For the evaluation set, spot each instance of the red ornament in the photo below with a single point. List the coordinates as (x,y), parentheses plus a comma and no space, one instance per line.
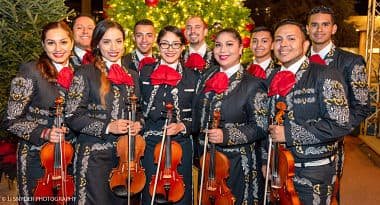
(246,42)
(213,36)
(249,27)
(151,3)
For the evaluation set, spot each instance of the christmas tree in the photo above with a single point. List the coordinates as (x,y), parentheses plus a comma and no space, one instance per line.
(218,14)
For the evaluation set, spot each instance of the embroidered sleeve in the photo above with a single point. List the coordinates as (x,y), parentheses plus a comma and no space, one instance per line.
(358,92)
(78,113)
(16,119)
(330,122)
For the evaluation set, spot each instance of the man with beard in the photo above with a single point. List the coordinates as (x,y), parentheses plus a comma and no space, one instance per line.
(197,55)
(144,36)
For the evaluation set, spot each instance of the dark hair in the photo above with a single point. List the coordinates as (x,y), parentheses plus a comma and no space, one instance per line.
(232,31)
(295,23)
(82,15)
(100,29)
(172,29)
(323,10)
(145,22)
(263,28)
(44,63)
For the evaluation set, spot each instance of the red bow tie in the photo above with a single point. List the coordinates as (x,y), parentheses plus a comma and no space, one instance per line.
(317,59)
(65,76)
(87,58)
(282,83)
(195,61)
(117,75)
(218,83)
(165,75)
(257,71)
(144,61)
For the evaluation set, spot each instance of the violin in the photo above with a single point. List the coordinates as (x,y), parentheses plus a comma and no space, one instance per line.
(55,157)
(167,184)
(214,189)
(334,200)
(282,163)
(128,178)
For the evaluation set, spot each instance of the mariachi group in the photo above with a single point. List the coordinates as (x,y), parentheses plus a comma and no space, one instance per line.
(190,124)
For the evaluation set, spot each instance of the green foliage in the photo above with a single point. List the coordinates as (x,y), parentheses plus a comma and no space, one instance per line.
(21,22)
(217,14)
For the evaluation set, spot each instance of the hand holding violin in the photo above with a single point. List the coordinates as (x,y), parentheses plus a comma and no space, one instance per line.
(174,128)
(55,134)
(215,135)
(121,126)
(277,133)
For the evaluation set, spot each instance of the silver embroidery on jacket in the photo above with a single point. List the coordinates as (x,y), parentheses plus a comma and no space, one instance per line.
(336,102)
(20,94)
(94,128)
(359,84)
(75,94)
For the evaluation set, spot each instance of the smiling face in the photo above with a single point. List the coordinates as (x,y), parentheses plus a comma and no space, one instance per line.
(58,45)
(321,29)
(227,50)
(111,45)
(144,37)
(261,45)
(170,47)
(82,30)
(195,31)
(289,44)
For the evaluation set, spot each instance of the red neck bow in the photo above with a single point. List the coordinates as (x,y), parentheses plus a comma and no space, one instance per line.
(282,83)
(144,61)
(257,71)
(195,61)
(165,75)
(65,76)
(218,83)
(317,59)
(117,75)
(87,58)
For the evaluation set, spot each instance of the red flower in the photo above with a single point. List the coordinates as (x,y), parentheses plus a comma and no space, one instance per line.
(144,61)
(117,75)
(257,70)
(64,77)
(195,61)
(165,75)
(282,83)
(317,59)
(246,42)
(218,83)
(249,27)
(88,57)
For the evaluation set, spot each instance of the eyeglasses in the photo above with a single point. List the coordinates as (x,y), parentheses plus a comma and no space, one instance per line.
(166,45)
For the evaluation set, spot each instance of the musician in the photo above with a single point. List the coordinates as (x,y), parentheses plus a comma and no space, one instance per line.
(32,96)
(83,26)
(177,89)
(144,36)
(97,110)
(321,27)
(197,54)
(263,65)
(317,113)
(243,106)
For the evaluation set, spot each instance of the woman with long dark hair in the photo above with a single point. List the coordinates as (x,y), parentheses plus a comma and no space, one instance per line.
(97,110)
(32,96)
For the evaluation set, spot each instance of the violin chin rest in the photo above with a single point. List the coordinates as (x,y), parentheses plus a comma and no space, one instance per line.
(121,191)
(161,199)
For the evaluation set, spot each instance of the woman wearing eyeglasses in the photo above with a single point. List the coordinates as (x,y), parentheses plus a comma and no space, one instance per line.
(162,83)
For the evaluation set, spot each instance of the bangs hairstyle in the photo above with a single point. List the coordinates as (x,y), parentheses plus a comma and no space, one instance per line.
(172,29)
